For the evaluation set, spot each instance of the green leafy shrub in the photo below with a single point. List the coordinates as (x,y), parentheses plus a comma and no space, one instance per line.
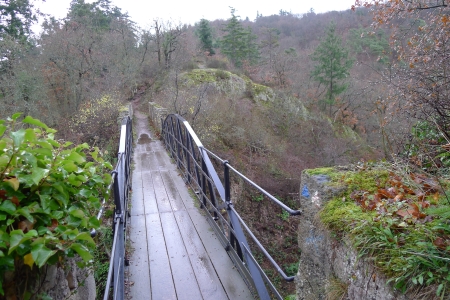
(49,193)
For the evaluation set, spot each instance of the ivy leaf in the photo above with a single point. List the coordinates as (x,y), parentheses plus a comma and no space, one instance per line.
(63,195)
(7,207)
(30,135)
(7,261)
(37,174)
(2,129)
(24,211)
(46,201)
(82,178)
(85,193)
(16,115)
(18,137)
(78,213)
(35,122)
(45,145)
(41,254)
(94,222)
(70,167)
(73,180)
(17,238)
(44,151)
(74,156)
(57,214)
(85,236)
(4,160)
(82,251)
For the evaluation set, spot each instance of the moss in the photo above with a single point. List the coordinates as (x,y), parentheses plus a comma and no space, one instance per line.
(340,215)
(123,108)
(321,171)
(199,76)
(367,180)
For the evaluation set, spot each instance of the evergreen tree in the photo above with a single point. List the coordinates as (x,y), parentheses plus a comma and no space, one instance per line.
(239,44)
(16,18)
(205,34)
(251,46)
(332,66)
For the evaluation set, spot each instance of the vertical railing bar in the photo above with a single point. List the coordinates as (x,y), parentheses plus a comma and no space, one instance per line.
(188,157)
(261,271)
(111,263)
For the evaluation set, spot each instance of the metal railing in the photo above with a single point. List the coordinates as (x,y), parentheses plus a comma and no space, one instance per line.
(120,186)
(214,195)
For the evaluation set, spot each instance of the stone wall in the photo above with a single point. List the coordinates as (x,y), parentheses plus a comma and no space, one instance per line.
(329,268)
(69,282)
(156,114)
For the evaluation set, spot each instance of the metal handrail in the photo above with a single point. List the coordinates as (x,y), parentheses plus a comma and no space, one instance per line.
(120,184)
(193,159)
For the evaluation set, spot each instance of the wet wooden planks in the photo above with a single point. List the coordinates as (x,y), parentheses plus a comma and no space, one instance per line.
(172,258)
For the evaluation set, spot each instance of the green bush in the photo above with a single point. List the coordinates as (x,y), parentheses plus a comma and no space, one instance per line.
(49,193)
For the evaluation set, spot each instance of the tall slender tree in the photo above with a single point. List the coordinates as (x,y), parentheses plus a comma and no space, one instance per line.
(205,33)
(332,67)
(238,43)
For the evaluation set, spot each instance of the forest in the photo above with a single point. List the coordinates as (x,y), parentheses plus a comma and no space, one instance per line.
(275,95)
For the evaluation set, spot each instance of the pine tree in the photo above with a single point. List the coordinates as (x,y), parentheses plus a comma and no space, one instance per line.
(333,66)
(205,34)
(239,44)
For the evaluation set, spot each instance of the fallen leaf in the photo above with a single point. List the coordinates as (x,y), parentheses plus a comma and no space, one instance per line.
(54,225)
(399,197)
(25,225)
(440,243)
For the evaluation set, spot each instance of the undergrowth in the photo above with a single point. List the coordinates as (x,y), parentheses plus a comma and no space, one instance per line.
(104,241)
(400,219)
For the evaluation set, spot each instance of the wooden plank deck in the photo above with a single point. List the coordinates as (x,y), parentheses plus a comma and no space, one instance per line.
(176,253)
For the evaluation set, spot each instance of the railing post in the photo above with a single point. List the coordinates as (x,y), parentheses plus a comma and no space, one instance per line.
(233,241)
(226,172)
(204,170)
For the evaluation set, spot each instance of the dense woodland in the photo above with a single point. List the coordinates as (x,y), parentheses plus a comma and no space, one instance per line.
(349,87)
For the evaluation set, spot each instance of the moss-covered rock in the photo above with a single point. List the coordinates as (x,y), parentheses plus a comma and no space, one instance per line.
(228,83)
(371,225)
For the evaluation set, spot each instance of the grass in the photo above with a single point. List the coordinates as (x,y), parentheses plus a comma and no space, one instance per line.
(336,289)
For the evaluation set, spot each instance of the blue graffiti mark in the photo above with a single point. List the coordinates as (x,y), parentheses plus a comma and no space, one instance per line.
(305,192)
(314,240)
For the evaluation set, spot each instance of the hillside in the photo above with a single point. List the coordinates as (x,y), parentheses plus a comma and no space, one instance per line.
(275,96)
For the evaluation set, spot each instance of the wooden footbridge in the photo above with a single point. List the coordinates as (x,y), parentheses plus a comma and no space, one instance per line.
(181,244)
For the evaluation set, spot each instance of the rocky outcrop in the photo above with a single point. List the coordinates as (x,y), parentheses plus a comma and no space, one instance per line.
(228,83)
(329,268)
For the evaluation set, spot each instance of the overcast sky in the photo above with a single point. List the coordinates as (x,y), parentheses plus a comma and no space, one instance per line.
(191,11)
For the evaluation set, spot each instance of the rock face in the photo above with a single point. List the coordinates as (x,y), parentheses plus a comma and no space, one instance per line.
(68,282)
(329,268)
